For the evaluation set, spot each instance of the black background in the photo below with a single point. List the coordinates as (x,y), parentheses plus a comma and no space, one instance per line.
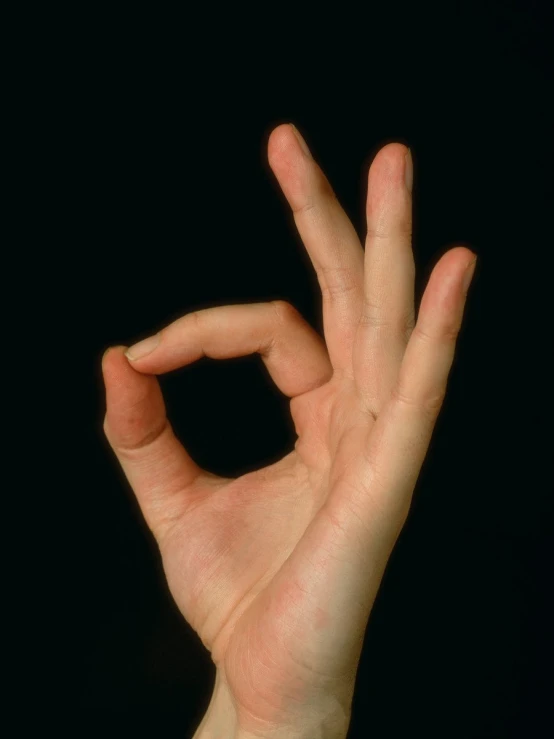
(166,205)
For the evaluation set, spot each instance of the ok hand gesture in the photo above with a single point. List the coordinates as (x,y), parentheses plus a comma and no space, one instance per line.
(277,570)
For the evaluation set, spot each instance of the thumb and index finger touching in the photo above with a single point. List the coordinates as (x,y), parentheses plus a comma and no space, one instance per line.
(162,474)
(158,468)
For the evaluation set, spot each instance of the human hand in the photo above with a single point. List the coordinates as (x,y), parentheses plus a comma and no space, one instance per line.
(277,570)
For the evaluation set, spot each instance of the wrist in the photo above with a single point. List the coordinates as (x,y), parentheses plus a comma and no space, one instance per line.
(328,721)
(220,720)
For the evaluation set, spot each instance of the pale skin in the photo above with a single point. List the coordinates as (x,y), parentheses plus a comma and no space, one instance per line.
(277,570)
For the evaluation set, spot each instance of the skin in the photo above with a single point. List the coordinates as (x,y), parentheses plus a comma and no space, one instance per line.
(277,570)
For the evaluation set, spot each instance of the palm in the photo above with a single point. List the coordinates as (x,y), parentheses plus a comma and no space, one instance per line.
(250,594)
(277,570)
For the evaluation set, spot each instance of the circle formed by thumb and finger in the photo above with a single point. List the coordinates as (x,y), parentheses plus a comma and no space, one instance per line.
(162,474)
(293,352)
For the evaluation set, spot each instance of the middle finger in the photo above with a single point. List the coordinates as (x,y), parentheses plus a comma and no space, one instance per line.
(387,317)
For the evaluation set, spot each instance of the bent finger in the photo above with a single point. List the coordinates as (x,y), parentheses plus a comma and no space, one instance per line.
(293,352)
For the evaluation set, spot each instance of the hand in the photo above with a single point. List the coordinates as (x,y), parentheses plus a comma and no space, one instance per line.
(278,569)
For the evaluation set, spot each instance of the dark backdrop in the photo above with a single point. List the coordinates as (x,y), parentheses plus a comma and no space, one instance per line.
(168,206)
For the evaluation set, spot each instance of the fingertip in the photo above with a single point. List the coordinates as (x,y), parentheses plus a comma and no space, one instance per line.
(280,135)
(114,365)
(390,161)
(457,258)
(284,146)
(105,354)
(111,353)
(133,400)
(392,152)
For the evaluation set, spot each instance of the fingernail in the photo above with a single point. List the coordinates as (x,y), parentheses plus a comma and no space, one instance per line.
(142,348)
(303,144)
(409,170)
(470,269)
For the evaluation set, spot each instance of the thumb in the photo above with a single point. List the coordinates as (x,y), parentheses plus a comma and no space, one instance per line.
(154,461)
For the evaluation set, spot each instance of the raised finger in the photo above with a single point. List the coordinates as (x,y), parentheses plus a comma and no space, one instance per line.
(329,237)
(402,433)
(387,316)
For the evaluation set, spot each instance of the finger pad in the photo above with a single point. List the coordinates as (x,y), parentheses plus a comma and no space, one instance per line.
(287,163)
(134,403)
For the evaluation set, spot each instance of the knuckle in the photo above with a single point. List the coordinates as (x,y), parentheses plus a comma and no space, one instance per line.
(324,187)
(284,311)
(448,334)
(207,314)
(431,405)
(336,281)
(428,404)
(400,397)
(129,448)
(375,315)
(404,227)
(318,196)
(383,233)
(336,289)
(381,229)
(377,232)
(306,206)
(198,318)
